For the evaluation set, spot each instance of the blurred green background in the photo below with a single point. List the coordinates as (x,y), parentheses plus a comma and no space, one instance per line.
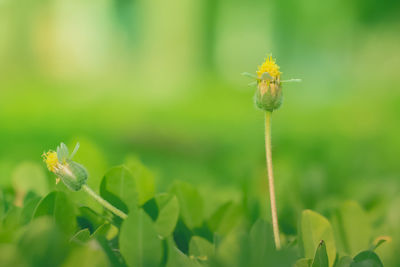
(161,80)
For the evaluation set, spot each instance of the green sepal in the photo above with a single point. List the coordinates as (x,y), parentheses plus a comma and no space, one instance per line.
(292,81)
(73,175)
(269,101)
(62,152)
(250,75)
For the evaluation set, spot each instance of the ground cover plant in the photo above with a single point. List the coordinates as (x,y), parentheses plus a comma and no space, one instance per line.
(65,228)
(123,220)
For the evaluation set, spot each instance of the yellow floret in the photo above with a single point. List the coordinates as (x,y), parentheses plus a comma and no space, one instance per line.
(270,67)
(51,160)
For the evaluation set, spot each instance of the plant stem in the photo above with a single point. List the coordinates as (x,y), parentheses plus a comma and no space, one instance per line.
(271,179)
(105,203)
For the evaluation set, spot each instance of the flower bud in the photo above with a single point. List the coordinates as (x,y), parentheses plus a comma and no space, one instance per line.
(73,174)
(268,95)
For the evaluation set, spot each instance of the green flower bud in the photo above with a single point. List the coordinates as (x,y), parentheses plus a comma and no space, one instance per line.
(269,85)
(269,94)
(73,174)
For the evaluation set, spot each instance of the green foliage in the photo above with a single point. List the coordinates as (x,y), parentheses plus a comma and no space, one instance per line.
(366,258)
(314,228)
(119,188)
(43,244)
(225,218)
(170,229)
(57,205)
(200,248)
(144,179)
(190,203)
(168,212)
(354,228)
(139,241)
(321,257)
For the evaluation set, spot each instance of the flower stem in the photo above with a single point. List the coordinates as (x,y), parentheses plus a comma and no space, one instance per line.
(104,203)
(271,179)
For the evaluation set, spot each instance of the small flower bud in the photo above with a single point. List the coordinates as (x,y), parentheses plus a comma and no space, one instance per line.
(269,90)
(73,174)
(269,95)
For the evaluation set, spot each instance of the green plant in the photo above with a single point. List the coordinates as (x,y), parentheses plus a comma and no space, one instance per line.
(170,229)
(73,174)
(269,98)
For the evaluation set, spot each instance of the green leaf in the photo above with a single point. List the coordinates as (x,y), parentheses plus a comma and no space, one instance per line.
(379,241)
(200,248)
(178,258)
(261,242)
(81,237)
(314,228)
(231,249)
(190,203)
(225,218)
(304,262)
(88,218)
(57,205)
(90,255)
(28,210)
(261,248)
(42,243)
(344,261)
(10,224)
(144,179)
(321,258)
(119,188)
(354,228)
(168,212)
(366,258)
(139,243)
(2,204)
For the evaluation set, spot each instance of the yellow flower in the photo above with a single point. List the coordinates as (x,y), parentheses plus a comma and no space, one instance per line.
(51,160)
(270,67)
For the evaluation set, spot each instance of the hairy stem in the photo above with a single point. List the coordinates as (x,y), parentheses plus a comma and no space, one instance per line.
(104,203)
(271,179)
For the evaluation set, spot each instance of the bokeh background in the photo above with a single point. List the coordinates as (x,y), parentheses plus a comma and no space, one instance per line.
(160,80)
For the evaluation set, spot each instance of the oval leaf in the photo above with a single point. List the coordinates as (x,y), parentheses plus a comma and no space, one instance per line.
(314,228)
(190,203)
(200,248)
(168,212)
(144,179)
(139,243)
(57,205)
(355,227)
(119,188)
(321,258)
(366,258)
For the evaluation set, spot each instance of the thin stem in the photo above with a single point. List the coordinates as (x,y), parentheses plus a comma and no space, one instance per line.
(271,179)
(105,203)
